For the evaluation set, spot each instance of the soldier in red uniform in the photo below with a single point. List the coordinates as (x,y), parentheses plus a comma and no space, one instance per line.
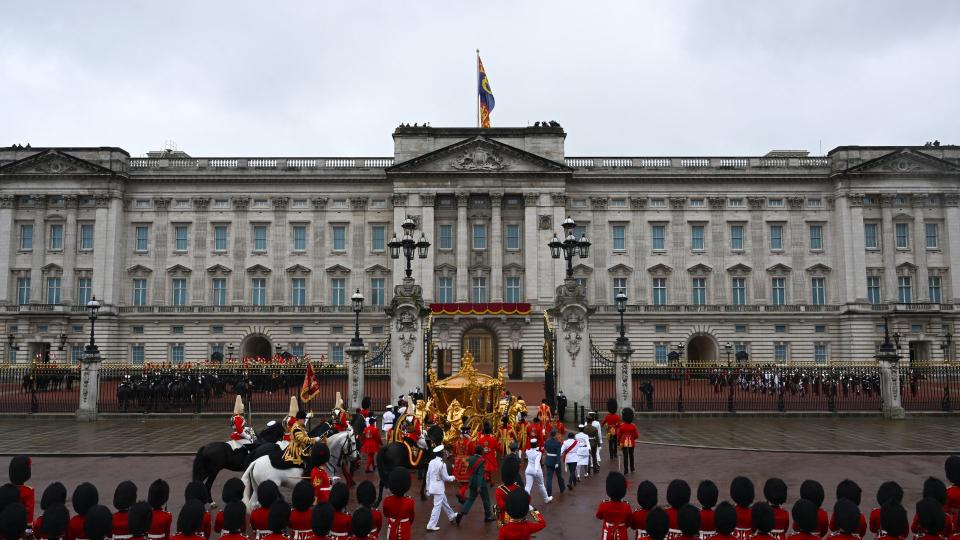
(561,428)
(610,423)
(742,493)
(491,451)
(85,497)
(544,413)
(19,475)
(339,497)
(724,521)
(934,488)
(510,476)
(267,494)
(234,521)
(339,422)
(658,524)
(189,521)
(365,410)
(367,498)
(321,521)
(812,491)
(138,520)
(647,499)
(371,444)
(53,524)
(240,434)
(932,519)
(361,525)
(535,432)
(318,476)
(762,519)
(893,522)
(952,468)
(614,512)
(804,521)
(678,496)
(399,509)
(627,435)
(461,451)
(301,513)
(707,495)
(232,491)
(53,495)
(97,523)
(123,498)
(775,491)
(162,521)
(517,527)
(278,520)
(198,490)
(847,518)
(688,521)
(849,490)
(888,491)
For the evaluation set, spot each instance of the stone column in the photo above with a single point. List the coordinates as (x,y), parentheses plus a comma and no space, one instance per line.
(199,295)
(531,247)
(69,278)
(918,202)
(622,353)
(358,242)
(280,246)
(239,249)
(157,248)
(463,248)
(406,312)
(40,240)
(679,289)
(571,314)
(356,352)
(851,255)
(496,248)
(640,246)
(9,244)
(107,244)
(889,246)
(797,249)
(720,248)
(89,386)
(951,202)
(427,279)
(890,389)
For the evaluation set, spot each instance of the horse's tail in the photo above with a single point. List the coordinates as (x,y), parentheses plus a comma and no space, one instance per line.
(249,487)
(199,466)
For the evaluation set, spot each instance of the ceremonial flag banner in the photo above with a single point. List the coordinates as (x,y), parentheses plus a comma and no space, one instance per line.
(310,386)
(485,94)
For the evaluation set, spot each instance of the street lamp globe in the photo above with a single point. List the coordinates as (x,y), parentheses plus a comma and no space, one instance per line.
(584,246)
(423,246)
(568,224)
(555,246)
(621,301)
(394,246)
(357,300)
(93,307)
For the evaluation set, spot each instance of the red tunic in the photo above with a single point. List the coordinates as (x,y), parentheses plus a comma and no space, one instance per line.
(371,440)
(217,523)
(186,537)
(207,525)
(300,527)
(611,421)
(534,432)
(627,435)
(706,521)
(258,519)
(341,422)
(873,524)
(371,536)
(238,424)
(233,536)
(162,521)
(886,537)
(500,495)
(341,524)
(561,428)
(543,411)
(638,520)
(462,449)
(616,520)
(75,528)
(803,536)
(120,524)
(321,485)
(275,536)
(762,536)
(822,522)
(947,531)
(522,530)
(953,503)
(506,436)
(491,451)
(377,521)
(399,512)
(672,517)
(27,498)
(719,536)
(781,521)
(744,517)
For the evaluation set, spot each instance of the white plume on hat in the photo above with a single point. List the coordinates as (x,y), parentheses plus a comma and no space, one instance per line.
(294,408)
(238,405)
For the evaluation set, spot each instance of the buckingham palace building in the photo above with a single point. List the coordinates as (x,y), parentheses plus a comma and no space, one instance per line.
(789,257)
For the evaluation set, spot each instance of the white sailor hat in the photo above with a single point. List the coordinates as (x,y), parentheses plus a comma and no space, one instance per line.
(438,449)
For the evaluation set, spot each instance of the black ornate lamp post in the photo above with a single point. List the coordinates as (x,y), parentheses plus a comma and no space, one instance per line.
(230,349)
(408,245)
(945,345)
(357,301)
(622,352)
(93,308)
(621,302)
(570,246)
(728,348)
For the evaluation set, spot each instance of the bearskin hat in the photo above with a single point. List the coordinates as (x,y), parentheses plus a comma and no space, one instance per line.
(935,489)
(196,490)
(612,405)
(510,471)
(361,522)
(19,470)
(627,415)
(85,497)
(761,517)
(234,516)
(56,518)
(139,518)
(124,496)
(279,516)
(678,493)
(688,520)
(322,518)
(616,486)
(302,495)
(952,468)
(775,491)
(191,517)
(98,522)
(365,402)
(707,494)
(647,495)
(399,481)
(9,494)
(741,491)
(931,516)
(232,490)
(53,495)
(889,491)
(724,518)
(518,503)
(893,519)
(849,490)
(267,493)
(804,515)
(812,491)
(339,496)
(658,524)
(847,516)
(159,492)
(321,454)
(13,521)
(366,493)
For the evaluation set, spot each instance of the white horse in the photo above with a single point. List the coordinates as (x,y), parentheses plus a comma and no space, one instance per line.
(343,452)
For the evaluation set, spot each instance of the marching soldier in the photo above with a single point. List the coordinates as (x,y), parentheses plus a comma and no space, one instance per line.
(97,524)
(506,435)
(362,525)
(54,523)
(300,513)
(543,412)
(267,494)
(399,509)
(319,478)
(534,473)
(805,521)
(594,438)
(742,493)
(510,476)
(762,521)
(614,512)
(278,520)
(893,522)
(647,499)
(553,463)
(339,496)
(437,476)
(812,491)
(462,450)
(365,409)
(887,492)
(952,468)
(366,498)
(707,495)
(627,436)
(189,521)
(678,496)
(491,450)
(688,520)
(518,528)
(138,520)
(371,444)
(725,522)
(611,422)
(20,472)
(775,492)
(232,491)
(847,518)
(234,518)
(850,490)
(198,490)
(54,494)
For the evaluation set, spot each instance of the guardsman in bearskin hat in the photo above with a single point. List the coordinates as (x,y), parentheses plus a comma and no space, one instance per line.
(610,424)
(19,476)
(98,523)
(893,522)
(627,435)
(240,434)
(189,521)
(123,498)
(234,521)
(364,411)
(232,491)
(762,520)
(742,492)
(198,491)
(267,494)
(850,490)
(724,521)
(707,495)
(361,525)
(398,508)
(139,518)
(775,492)
(300,515)
(517,527)
(688,521)
(54,523)
(952,468)
(340,421)
(85,497)
(678,496)
(888,491)
(301,443)
(846,516)
(339,497)
(812,491)
(805,521)
(321,521)
(13,521)
(647,499)
(658,524)
(510,478)
(371,444)
(367,498)
(614,512)
(318,476)
(934,488)
(161,521)
(932,519)
(55,494)
(277,521)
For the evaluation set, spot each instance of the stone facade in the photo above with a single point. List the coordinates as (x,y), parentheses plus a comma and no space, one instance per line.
(789,257)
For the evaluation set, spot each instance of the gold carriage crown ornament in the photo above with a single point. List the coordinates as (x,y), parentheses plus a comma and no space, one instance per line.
(468,394)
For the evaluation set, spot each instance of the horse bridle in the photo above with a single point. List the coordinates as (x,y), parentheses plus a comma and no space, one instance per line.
(349,450)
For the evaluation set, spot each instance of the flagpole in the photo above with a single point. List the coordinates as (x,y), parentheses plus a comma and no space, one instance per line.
(476,96)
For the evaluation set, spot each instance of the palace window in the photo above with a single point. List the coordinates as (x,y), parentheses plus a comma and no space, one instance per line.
(905,287)
(513,290)
(86,236)
(820,353)
(658,233)
(780,352)
(84,290)
(513,237)
(338,291)
(619,286)
(696,238)
(180,237)
(260,238)
(902,231)
(339,238)
(659,291)
(779,286)
(479,290)
(299,237)
(298,291)
(258,290)
(934,289)
(377,242)
(699,291)
(816,237)
(137,354)
(933,235)
(26,237)
(446,236)
(479,236)
(220,238)
(139,291)
(739,291)
(377,291)
(619,233)
(873,290)
(219,291)
(53,290)
(179,291)
(736,237)
(142,235)
(445,290)
(176,353)
(818,290)
(776,237)
(56,237)
(870,236)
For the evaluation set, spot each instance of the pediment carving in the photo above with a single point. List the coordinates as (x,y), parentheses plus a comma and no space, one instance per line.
(739,269)
(52,269)
(620,269)
(337,269)
(378,269)
(479,155)
(179,269)
(53,162)
(819,268)
(582,269)
(779,269)
(905,161)
(699,269)
(660,269)
(258,269)
(298,269)
(139,270)
(219,269)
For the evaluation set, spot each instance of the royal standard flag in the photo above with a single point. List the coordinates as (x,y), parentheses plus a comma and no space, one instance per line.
(485,95)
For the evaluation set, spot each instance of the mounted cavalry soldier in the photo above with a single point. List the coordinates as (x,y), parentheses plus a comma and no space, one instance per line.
(301,443)
(242,434)
(339,420)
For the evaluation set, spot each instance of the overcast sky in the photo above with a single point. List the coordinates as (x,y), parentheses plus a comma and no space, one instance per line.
(318,78)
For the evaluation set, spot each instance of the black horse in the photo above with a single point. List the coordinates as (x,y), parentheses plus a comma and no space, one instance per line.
(216,456)
(396,454)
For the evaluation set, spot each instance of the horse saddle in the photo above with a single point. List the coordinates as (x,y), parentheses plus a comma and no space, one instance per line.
(277,461)
(238,445)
